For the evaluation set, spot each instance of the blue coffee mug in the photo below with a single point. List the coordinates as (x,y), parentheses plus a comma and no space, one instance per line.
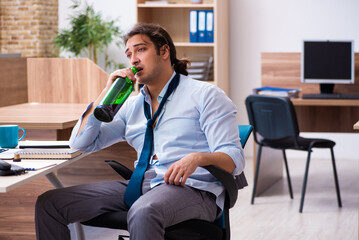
(9,136)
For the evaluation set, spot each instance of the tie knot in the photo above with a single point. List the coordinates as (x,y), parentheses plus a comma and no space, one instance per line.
(150,122)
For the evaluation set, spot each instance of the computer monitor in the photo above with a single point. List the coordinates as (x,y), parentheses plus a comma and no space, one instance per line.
(328,63)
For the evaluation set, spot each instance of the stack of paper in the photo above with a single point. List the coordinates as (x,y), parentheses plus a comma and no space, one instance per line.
(155,2)
(280,92)
(201,66)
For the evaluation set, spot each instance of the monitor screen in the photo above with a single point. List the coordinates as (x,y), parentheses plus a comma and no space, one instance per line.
(329,62)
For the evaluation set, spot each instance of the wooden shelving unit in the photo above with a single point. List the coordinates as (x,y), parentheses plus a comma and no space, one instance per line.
(174,17)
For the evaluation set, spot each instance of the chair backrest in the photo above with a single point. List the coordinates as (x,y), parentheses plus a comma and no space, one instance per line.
(244,132)
(272,117)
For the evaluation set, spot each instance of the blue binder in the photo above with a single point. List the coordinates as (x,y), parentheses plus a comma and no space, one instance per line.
(193,25)
(201,26)
(209,26)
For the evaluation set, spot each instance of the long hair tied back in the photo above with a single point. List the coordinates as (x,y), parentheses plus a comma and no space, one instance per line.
(160,37)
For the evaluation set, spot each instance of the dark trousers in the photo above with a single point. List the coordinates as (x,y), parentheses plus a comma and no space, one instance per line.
(156,209)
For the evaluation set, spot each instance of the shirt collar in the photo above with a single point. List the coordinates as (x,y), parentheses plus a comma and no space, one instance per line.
(145,93)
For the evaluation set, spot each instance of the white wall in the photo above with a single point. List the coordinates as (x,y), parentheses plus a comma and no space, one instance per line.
(280,26)
(262,26)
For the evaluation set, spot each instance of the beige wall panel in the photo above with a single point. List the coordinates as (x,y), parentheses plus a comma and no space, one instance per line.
(60,80)
(13,81)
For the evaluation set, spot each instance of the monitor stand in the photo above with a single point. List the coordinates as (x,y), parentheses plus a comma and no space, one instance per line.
(326,87)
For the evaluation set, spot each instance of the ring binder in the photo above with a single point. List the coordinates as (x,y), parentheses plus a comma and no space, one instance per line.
(209,26)
(201,26)
(193,36)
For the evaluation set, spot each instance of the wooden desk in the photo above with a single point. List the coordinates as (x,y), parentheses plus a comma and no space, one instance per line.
(9,183)
(325,102)
(41,118)
(326,115)
(60,117)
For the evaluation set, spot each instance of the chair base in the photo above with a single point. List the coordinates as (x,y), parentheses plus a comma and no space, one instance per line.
(113,220)
(194,229)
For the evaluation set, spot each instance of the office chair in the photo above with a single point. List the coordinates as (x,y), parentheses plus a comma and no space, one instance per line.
(193,229)
(275,126)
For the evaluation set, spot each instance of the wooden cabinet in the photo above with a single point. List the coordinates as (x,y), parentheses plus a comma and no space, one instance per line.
(174,17)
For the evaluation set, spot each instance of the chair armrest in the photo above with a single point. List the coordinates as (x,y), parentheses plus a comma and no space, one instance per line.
(241,180)
(228,182)
(121,169)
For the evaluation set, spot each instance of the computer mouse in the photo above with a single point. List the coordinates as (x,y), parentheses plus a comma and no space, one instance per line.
(4,165)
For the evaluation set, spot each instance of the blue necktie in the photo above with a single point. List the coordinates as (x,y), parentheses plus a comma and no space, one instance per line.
(134,187)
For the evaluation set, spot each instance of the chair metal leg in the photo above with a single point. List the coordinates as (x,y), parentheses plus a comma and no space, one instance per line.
(288,176)
(256,173)
(305,182)
(79,231)
(336,178)
(122,237)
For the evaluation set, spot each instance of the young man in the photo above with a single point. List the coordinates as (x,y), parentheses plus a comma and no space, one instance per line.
(196,127)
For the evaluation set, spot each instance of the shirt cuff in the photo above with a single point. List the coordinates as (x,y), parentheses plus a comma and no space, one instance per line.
(237,157)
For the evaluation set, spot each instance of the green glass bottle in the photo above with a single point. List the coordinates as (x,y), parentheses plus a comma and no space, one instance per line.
(114,98)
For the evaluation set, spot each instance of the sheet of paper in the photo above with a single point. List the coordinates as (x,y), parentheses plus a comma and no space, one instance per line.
(33,165)
(8,154)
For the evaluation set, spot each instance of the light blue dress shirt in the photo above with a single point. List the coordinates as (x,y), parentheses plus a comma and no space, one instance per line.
(197,117)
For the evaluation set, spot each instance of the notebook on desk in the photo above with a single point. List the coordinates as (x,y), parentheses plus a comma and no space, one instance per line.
(48,153)
(8,153)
